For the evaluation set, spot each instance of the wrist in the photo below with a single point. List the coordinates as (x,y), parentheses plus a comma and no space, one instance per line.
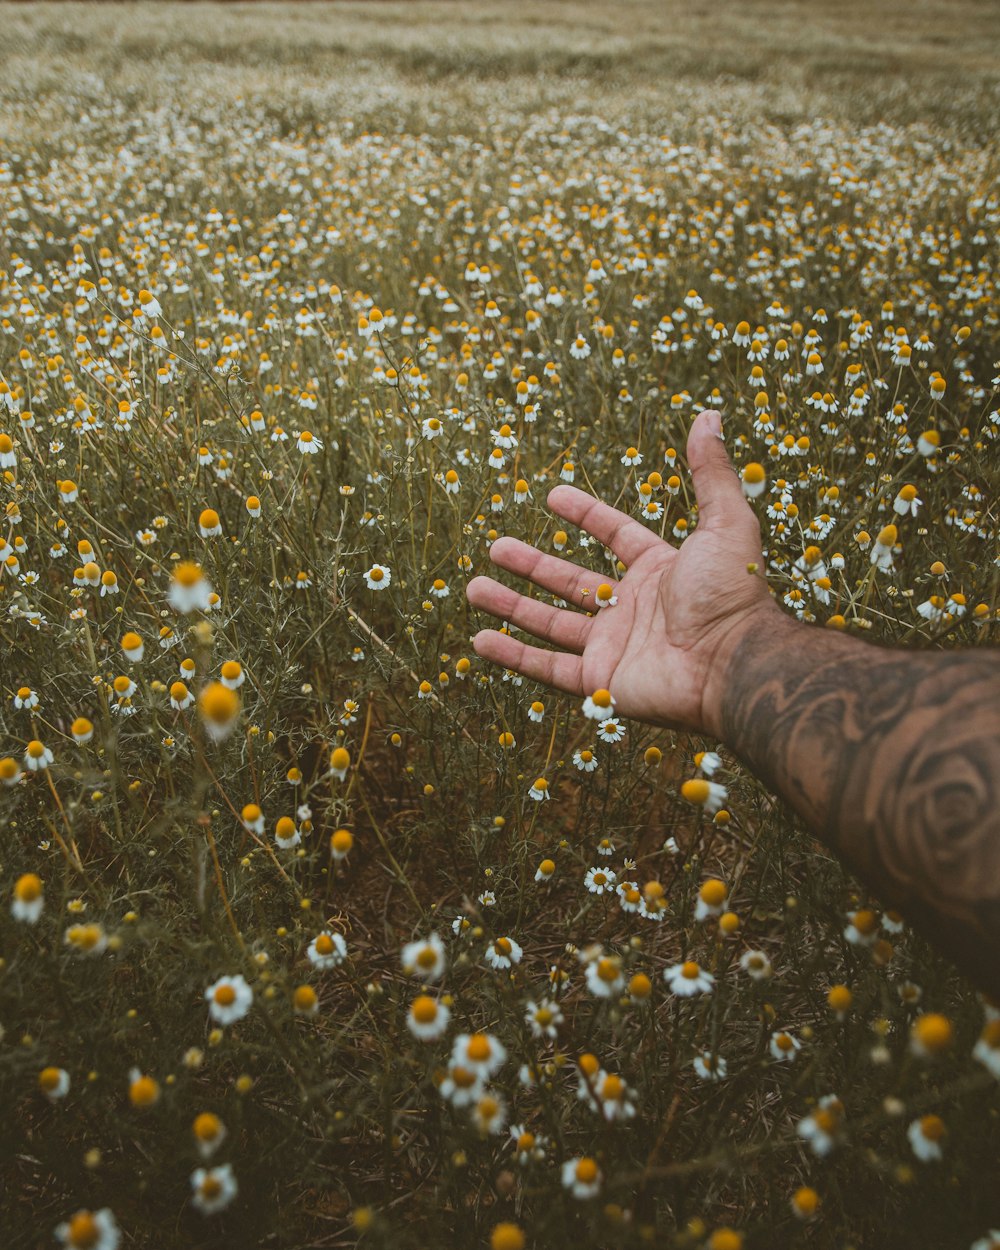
(754,635)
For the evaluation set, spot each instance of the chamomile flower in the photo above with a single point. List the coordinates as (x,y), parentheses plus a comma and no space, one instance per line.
(86,939)
(427,1018)
(10,771)
(539,790)
(133,647)
(688,979)
(543,1017)
(711,899)
(424,959)
(604,976)
(784,1047)
(907,502)
(229,999)
(181,697)
(987,1049)
(232,675)
(710,1067)
(252,818)
(823,1129)
(585,760)
(286,834)
(503,953)
(756,965)
(529,1147)
(189,589)
(37,756)
(209,1133)
(341,844)
(926,1136)
(862,927)
(753,480)
(582,1177)
(708,795)
(53,1083)
(481,1053)
(213,1189)
(611,730)
(308,444)
(220,708)
(708,762)
(545,870)
(489,1113)
(462,1085)
(600,880)
(881,553)
(327,950)
(610,1097)
(536,712)
(209,525)
(378,577)
(28,901)
(598,705)
(90,1230)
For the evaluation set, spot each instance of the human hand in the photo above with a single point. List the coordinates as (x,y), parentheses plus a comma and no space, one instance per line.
(662,648)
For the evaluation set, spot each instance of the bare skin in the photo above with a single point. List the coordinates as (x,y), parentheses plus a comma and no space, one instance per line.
(892,757)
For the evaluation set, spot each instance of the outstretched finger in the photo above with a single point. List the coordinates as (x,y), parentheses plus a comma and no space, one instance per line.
(563,578)
(565,629)
(627,537)
(554,668)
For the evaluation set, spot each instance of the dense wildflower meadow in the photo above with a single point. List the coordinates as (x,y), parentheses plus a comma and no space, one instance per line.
(318,930)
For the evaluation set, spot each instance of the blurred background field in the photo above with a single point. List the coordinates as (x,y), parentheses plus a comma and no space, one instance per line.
(278,282)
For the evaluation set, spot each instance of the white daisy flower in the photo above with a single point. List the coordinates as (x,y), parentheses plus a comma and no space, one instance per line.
(229,999)
(482,1053)
(688,979)
(925,1136)
(427,1019)
(604,976)
(784,1047)
(598,705)
(378,577)
(756,965)
(503,953)
(213,1188)
(582,1177)
(95,1230)
(710,1067)
(327,950)
(823,1127)
(600,880)
(424,959)
(543,1017)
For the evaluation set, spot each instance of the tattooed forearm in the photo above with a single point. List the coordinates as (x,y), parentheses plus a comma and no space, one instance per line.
(892,757)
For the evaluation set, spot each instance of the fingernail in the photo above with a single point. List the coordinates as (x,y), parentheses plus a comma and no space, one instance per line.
(714,423)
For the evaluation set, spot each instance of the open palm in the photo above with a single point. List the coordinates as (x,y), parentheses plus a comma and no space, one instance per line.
(658,647)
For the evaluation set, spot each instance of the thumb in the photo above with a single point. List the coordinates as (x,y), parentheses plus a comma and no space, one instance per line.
(716,486)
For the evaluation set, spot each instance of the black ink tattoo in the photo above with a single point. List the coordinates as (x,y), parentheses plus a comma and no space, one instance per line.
(893,760)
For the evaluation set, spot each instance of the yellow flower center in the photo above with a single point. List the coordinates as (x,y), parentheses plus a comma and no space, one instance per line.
(478,1049)
(83,1231)
(586,1171)
(424,1009)
(207,1126)
(28,888)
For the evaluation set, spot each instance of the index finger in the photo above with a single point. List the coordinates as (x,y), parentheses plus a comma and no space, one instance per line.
(625,536)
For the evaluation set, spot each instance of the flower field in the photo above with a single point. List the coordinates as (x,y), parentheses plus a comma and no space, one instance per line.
(317,929)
